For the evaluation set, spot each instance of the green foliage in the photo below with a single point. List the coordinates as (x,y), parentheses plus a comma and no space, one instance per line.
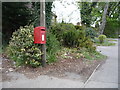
(87,43)
(78,27)
(91,13)
(105,43)
(59,28)
(90,32)
(13,12)
(80,53)
(83,39)
(86,10)
(72,36)
(96,40)
(91,55)
(21,48)
(48,7)
(23,51)
(53,46)
(102,38)
(36,13)
(14,15)
(113,10)
(112,28)
(67,34)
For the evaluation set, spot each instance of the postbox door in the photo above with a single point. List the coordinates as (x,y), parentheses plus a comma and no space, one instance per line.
(43,37)
(37,36)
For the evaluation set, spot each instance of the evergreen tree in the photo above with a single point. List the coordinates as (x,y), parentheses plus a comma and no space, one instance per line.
(14,15)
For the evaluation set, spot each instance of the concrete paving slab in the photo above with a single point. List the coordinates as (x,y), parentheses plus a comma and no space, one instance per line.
(94,84)
(42,82)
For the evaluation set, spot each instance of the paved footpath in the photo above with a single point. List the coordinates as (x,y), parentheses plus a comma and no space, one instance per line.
(107,75)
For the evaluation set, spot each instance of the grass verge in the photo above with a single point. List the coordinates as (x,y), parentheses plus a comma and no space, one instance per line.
(106,43)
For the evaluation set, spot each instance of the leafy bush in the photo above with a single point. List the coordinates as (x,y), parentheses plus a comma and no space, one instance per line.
(87,43)
(23,51)
(91,32)
(59,28)
(78,27)
(21,48)
(53,46)
(112,28)
(78,39)
(96,40)
(71,38)
(102,38)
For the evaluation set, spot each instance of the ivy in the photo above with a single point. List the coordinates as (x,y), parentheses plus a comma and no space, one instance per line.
(36,13)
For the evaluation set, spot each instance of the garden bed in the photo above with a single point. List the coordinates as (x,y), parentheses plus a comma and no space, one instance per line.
(70,68)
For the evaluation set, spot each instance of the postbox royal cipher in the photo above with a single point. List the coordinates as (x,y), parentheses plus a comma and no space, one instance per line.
(40,35)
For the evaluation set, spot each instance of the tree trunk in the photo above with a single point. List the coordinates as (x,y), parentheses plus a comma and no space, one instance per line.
(102,26)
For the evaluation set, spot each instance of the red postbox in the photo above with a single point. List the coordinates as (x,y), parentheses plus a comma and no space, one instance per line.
(40,35)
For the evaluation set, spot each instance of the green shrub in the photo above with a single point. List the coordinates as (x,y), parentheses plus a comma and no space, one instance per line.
(102,38)
(96,40)
(112,28)
(78,39)
(87,43)
(70,38)
(78,27)
(52,46)
(21,48)
(91,32)
(73,38)
(86,37)
(23,51)
(59,28)
(83,40)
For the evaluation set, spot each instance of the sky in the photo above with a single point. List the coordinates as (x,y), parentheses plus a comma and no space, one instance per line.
(66,10)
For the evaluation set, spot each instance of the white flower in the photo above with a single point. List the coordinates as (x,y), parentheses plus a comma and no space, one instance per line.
(23,49)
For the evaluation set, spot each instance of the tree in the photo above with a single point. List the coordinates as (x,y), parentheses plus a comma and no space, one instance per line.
(86,10)
(99,14)
(14,15)
(102,25)
(113,10)
(36,11)
(112,26)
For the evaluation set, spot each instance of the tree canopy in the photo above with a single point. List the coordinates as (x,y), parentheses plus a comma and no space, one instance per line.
(16,14)
(93,13)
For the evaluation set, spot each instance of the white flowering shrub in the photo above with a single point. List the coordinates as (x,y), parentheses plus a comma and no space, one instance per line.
(22,49)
